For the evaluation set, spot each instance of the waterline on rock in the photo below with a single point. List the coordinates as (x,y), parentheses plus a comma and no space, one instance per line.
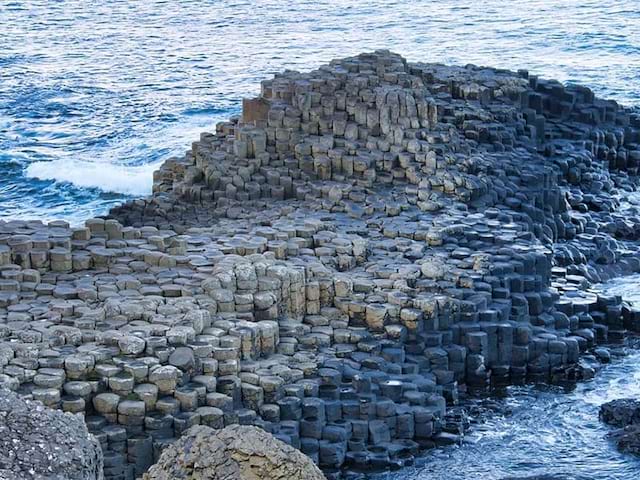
(541,430)
(627,287)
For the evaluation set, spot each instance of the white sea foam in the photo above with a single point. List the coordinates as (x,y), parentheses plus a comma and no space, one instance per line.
(130,180)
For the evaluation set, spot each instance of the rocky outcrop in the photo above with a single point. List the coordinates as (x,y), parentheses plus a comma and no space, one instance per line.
(627,439)
(623,413)
(39,443)
(365,244)
(233,453)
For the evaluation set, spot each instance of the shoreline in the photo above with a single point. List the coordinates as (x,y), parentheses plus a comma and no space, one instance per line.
(335,266)
(497,410)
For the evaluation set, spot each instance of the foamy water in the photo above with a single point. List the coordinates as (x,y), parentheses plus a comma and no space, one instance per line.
(110,177)
(93,95)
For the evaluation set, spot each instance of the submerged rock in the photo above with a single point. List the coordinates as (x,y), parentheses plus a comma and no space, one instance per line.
(39,443)
(627,439)
(233,453)
(602,354)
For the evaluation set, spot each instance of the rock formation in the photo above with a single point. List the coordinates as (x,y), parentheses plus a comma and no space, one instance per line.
(368,241)
(624,414)
(37,442)
(233,453)
(621,412)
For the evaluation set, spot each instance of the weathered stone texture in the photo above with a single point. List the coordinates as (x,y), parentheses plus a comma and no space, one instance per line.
(233,453)
(623,413)
(39,443)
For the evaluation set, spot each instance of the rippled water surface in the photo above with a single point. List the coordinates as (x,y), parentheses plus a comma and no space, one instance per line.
(94,94)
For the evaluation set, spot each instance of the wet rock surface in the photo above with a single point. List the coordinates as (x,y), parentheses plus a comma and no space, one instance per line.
(367,243)
(627,439)
(623,413)
(235,453)
(39,443)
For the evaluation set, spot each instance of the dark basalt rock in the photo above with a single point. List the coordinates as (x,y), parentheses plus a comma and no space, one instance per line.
(623,413)
(627,439)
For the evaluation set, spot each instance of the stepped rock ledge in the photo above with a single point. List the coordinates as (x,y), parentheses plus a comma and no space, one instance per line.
(366,244)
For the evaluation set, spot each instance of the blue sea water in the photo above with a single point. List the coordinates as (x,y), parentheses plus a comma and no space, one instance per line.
(93,95)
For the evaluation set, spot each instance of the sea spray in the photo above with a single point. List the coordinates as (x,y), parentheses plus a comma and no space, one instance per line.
(108,177)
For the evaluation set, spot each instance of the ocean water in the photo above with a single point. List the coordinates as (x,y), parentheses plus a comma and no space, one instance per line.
(94,95)
(627,287)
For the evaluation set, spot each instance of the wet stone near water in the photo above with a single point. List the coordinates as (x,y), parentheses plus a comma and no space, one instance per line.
(366,243)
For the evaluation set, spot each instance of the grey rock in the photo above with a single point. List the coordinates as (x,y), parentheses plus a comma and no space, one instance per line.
(41,443)
(233,453)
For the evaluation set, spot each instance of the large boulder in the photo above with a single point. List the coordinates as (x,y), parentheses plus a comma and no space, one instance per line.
(236,452)
(624,413)
(621,412)
(37,442)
